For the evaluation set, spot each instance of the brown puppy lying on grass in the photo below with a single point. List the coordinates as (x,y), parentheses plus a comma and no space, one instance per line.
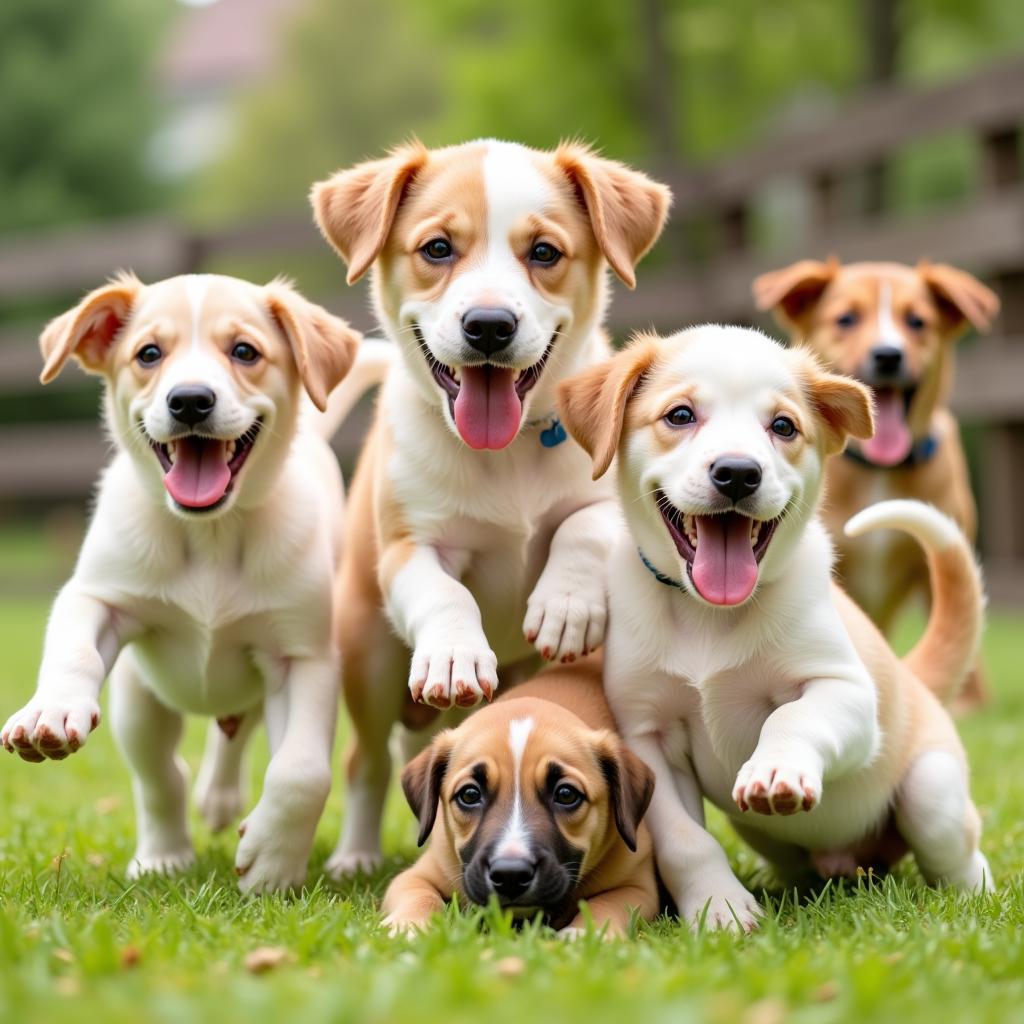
(540,806)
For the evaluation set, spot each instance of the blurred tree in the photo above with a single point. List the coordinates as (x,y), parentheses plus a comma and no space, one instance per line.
(77,108)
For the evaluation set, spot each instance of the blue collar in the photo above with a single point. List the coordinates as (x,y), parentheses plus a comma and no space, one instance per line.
(554,433)
(920,453)
(658,574)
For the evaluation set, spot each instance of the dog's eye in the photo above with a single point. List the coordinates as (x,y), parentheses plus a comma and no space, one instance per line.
(680,416)
(847,319)
(437,250)
(783,426)
(149,354)
(913,321)
(244,352)
(469,796)
(567,797)
(545,254)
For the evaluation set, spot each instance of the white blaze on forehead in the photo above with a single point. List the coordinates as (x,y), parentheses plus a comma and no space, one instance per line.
(196,286)
(515,840)
(888,332)
(514,188)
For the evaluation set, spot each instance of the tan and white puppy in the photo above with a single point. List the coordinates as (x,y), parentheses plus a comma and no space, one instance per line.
(204,582)
(540,807)
(893,328)
(736,668)
(476,534)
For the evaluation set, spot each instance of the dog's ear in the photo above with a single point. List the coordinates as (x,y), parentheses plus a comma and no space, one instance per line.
(792,292)
(962,299)
(627,209)
(88,331)
(842,404)
(323,346)
(630,785)
(421,782)
(355,208)
(592,404)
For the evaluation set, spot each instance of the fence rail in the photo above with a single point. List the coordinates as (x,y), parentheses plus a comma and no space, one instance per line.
(982,230)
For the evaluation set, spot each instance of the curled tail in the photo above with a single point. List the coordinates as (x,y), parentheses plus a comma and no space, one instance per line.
(373,360)
(946,652)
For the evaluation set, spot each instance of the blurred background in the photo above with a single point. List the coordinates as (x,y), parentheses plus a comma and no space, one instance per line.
(171,136)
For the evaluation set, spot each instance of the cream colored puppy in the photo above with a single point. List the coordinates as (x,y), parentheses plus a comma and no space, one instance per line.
(476,535)
(736,667)
(204,583)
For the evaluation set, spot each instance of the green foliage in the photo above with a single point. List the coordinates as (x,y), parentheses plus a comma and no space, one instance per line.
(77,109)
(77,939)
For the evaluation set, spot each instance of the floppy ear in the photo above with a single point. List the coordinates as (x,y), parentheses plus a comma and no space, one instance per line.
(627,209)
(792,292)
(843,405)
(630,785)
(592,405)
(324,346)
(421,782)
(962,298)
(88,331)
(355,208)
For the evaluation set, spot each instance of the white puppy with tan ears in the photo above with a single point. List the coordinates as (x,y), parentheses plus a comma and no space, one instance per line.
(736,668)
(204,583)
(476,537)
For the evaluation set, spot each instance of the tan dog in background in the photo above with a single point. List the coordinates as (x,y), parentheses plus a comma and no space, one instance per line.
(892,327)
(204,581)
(476,537)
(540,806)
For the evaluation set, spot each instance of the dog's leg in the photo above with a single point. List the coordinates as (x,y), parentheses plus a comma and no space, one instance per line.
(828,731)
(612,909)
(693,866)
(452,662)
(277,836)
(374,673)
(936,817)
(567,611)
(414,897)
(83,639)
(219,791)
(148,733)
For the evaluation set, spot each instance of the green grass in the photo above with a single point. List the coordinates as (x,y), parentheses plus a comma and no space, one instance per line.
(77,939)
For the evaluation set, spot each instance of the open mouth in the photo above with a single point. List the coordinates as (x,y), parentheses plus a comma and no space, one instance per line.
(200,471)
(486,401)
(892,441)
(722,551)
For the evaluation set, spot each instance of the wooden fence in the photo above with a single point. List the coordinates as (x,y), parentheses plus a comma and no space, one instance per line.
(701,271)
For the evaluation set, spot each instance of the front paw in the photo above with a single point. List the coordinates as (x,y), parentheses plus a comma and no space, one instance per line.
(462,674)
(773,785)
(50,728)
(719,906)
(565,622)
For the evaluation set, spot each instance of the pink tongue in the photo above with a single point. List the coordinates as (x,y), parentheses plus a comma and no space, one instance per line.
(200,475)
(892,440)
(724,568)
(488,410)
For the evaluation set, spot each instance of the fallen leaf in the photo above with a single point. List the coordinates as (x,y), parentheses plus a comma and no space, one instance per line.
(264,959)
(130,957)
(510,966)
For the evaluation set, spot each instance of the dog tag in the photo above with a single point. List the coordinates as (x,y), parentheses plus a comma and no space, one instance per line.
(554,435)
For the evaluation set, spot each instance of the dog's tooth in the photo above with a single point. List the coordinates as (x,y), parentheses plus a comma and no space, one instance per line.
(172,448)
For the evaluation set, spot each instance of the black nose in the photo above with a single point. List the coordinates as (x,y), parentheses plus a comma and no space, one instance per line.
(489,330)
(887,360)
(511,876)
(191,403)
(735,477)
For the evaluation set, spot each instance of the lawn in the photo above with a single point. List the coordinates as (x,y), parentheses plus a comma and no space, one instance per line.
(76,940)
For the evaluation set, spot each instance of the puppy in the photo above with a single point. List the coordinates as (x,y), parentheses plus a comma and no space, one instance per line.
(476,534)
(736,668)
(893,328)
(204,583)
(540,807)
